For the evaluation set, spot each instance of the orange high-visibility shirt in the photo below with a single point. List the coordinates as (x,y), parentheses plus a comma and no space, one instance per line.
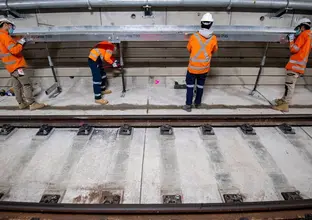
(11,52)
(300,50)
(201,50)
(104,50)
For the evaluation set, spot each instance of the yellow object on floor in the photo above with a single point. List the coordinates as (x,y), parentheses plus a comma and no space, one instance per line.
(36,105)
(282,106)
(101,101)
(106,92)
(23,105)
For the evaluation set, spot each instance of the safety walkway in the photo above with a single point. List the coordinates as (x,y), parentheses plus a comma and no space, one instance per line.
(158,98)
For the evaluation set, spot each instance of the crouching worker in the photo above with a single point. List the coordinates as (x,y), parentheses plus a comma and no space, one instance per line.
(12,58)
(300,47)
(201,46)
(103,51)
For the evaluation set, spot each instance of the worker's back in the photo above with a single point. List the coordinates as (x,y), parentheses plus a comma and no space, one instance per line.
(201,50)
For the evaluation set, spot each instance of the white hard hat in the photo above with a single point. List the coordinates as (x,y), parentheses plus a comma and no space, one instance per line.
(305,21)
(207,17)
(5,20)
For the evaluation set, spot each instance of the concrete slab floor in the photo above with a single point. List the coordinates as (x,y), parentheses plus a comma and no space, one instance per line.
(146,165)
(77,98)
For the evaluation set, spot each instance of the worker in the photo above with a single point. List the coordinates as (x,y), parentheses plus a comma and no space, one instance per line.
(300,46)
(201,46)
(12,58)
(103,51)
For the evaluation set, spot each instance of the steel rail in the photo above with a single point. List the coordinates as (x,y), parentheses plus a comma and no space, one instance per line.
(200,208)
(156,120)
(150,33)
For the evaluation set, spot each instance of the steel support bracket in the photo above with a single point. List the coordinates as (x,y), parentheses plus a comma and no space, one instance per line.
(166,130)
(286,129)
(247,129)
(13,13)
(85,130)
(6,130)
(292,195)
(125,130)
(207,130)
(147,10)
(50,198)
(44,130)
(179,86)
(172,199)
(233,198)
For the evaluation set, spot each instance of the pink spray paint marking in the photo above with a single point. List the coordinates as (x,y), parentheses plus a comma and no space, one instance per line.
(157,81)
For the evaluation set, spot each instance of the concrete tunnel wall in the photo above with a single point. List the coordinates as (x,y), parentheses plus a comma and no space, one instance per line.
(234,64)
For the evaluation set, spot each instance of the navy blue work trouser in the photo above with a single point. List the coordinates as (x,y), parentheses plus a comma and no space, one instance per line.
(99,77)
(190,83)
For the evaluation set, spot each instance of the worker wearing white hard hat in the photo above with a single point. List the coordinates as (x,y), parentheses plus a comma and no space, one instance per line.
(201,46)
(14,61)
(300,45)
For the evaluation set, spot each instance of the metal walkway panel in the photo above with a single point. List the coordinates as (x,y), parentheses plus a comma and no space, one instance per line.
(150,33)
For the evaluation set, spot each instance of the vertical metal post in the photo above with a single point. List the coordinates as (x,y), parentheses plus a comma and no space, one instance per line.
(260,69)
(122,70)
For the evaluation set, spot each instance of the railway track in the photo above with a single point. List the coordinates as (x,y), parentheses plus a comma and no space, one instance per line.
(158,120)
(227,171)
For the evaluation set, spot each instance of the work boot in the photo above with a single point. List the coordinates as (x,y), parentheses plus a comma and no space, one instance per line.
(187,108)
(282,106)
(278,101)
(197,105)
(105,92)
(23,105)
(101,101)
(36,105)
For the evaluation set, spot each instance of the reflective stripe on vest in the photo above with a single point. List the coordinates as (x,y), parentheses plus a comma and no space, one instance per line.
(100,54)
(5,55)
(198,68)
(9,62)
(202,49)
(298,68)
(11,46)
(295,47)
(95,53)
(303,63)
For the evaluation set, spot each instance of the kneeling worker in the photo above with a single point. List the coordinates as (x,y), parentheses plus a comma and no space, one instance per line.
(13,59)
(201,46)
(103,51)
(300,47)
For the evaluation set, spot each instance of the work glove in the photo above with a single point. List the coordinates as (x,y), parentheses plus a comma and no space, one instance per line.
(22,41)
(291,37)
(116,64)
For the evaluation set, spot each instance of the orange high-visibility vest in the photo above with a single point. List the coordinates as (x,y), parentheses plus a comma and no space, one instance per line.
(300,50)
(10,52)
(104,50)
(201,50)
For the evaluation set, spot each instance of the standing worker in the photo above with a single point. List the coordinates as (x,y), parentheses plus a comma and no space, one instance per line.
(103,51)
(201,46)
(12,58)
(300,47)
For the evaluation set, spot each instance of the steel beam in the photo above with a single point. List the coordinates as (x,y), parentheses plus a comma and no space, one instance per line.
(150,33)
(54,4)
